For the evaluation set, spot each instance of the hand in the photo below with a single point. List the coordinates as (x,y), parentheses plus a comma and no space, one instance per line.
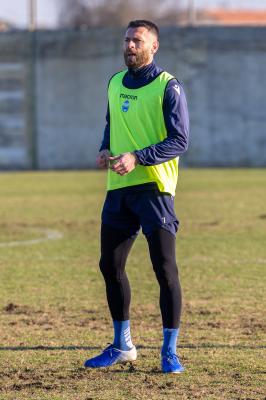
(124,163)
(102,159)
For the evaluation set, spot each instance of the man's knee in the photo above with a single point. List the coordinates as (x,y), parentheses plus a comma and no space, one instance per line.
(111,271)
(166,272)
(107,267)
(162,252)
(103,266)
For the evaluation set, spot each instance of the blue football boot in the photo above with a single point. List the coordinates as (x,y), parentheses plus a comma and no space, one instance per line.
(111,356)
(171,364)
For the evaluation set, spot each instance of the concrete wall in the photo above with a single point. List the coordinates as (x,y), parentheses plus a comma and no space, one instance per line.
(53,94)
(15,143)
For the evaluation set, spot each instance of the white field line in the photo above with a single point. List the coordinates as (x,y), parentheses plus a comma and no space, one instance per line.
(49,234)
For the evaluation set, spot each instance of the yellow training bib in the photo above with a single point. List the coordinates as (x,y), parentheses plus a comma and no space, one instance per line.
(136,122)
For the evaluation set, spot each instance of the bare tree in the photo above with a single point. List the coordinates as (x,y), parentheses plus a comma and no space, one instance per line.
(82,14)
(74,14)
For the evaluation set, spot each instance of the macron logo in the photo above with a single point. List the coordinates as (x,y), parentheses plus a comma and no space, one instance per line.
(128,96)
(177,89)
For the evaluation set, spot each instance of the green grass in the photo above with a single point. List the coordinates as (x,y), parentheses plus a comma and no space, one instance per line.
(53,312)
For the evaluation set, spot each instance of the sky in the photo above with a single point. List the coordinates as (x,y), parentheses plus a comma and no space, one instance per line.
(15,11)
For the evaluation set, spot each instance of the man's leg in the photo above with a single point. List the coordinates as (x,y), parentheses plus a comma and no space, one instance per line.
(115,247)
(162,252)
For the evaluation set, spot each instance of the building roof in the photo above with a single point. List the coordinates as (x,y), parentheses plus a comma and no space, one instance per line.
(4,26)
(232,17)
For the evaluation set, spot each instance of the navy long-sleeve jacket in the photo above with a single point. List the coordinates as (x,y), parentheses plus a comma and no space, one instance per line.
(175,116)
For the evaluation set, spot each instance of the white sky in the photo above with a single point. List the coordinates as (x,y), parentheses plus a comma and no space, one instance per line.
(15,11)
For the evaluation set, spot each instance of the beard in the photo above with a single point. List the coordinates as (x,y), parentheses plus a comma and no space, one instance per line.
(136,59)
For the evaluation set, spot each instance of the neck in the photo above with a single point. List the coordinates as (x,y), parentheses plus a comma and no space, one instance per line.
(139,70)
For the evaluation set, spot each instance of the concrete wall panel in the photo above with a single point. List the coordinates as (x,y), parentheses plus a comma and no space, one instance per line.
(53,94)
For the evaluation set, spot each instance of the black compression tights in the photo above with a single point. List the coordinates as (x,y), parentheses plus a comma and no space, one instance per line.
(115,247)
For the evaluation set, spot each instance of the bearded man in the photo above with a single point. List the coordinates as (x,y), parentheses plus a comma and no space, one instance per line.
(146,131)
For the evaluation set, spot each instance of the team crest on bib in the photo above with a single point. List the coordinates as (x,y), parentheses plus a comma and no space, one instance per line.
(125,106)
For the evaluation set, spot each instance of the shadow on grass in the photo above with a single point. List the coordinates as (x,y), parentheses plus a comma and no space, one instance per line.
(184,346)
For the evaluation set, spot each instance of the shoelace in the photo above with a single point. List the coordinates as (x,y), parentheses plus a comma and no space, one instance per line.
(109,349)
(171,356)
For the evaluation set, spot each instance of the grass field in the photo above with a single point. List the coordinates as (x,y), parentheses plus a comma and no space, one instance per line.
(53,312)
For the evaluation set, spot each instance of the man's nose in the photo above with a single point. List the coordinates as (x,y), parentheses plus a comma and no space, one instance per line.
(130,44)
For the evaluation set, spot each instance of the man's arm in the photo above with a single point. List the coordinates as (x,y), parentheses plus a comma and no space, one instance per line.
(106,135)
(102,159)
(177,125)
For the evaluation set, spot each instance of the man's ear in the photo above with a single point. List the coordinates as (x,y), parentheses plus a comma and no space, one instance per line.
(155,47)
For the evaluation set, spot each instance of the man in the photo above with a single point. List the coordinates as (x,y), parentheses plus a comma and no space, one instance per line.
(146,131)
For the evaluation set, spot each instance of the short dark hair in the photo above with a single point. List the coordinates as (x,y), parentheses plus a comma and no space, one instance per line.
(149,25)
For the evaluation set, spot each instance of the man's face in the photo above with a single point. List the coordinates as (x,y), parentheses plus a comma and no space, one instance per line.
(139,47)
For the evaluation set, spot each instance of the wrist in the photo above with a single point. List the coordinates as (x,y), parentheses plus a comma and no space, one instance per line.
(136,158)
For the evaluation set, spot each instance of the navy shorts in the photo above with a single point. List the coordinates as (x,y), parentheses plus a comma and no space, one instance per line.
(129,210)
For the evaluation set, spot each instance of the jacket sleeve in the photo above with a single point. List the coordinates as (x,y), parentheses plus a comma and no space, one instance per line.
(106,135)
(177,125)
